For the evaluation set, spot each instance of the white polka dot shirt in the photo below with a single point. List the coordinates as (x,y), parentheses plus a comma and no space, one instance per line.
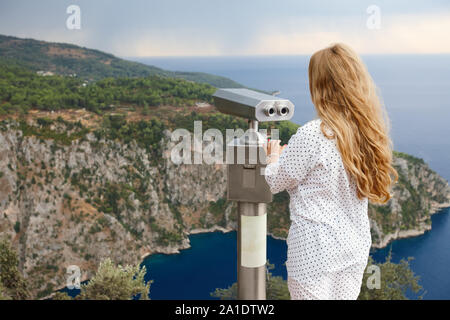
(329,238)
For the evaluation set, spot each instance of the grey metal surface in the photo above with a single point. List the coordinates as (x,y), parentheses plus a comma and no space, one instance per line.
(253,125)
(251,282)
(253,105)
(248,187)
(245,181)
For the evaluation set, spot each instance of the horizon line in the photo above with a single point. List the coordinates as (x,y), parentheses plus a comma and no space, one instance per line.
(273,55)
(220,55)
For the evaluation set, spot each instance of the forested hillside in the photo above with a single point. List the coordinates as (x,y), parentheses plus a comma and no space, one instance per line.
(89,64)
(22,90)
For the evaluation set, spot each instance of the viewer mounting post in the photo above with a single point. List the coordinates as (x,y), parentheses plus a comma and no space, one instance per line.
(247,185)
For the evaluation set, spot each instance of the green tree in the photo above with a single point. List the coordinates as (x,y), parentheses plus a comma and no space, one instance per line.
(277,288)
(17,226)
(3,295)
(145,110)
(229,293)
(396,280)
(61,296)
(12,283)
(116,283)
(22,89)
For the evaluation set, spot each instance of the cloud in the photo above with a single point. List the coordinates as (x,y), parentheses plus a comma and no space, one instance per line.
(166,44)
(401,34)
(414,33)
(398,34)
(212,28)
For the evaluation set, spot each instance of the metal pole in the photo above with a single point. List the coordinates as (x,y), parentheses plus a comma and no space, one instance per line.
(251,278)
(253,124)
(251,247)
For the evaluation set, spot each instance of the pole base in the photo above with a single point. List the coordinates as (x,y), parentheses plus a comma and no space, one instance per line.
(251,249)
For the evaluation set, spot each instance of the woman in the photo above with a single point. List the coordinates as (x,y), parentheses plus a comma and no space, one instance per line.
(331,168)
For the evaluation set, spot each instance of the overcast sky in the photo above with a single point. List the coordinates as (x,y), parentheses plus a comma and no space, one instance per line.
(234,27)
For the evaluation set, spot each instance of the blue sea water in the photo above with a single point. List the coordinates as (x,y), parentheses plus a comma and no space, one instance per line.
(416,92)
(211,263)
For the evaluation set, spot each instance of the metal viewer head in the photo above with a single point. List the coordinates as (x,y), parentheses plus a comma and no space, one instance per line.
(253,105)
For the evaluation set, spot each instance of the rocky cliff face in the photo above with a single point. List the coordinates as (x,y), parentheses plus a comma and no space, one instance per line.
(77,202)
(419,193)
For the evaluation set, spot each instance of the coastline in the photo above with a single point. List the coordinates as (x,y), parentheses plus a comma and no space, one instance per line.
(198,231)
(388,238)
(400,234)
(186,243)
(403,234)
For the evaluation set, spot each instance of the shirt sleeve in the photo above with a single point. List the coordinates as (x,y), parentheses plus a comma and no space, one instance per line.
(295,162)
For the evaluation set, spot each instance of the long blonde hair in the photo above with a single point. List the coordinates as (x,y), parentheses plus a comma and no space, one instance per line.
(346,100)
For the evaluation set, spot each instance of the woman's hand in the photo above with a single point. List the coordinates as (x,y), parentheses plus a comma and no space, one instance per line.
(273,150)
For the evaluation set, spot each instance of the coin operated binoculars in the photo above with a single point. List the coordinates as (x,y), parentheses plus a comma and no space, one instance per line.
(247,184)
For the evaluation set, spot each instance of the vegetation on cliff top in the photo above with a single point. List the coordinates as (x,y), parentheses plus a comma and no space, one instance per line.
(22,90)
(89,64)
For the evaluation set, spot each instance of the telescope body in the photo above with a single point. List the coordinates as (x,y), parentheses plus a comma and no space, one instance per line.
(253,105)
(246,183)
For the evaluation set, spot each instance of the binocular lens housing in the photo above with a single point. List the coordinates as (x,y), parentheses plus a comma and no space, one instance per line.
(283,110)
(269,111)
(253,105)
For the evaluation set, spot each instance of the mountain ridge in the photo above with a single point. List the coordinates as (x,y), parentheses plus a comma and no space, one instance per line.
(90,64)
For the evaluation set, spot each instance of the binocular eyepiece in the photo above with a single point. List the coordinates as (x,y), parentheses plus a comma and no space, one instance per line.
(253,105)
(277,108)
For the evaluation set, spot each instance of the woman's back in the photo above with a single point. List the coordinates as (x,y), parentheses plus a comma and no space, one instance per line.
(330,231)
(331,168)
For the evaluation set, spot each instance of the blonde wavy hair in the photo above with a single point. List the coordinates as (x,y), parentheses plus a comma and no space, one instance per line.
(346,100)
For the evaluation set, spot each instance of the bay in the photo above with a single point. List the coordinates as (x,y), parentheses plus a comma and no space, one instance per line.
(211,261)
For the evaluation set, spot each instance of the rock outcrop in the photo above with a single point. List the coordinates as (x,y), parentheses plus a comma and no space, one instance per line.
(79,202)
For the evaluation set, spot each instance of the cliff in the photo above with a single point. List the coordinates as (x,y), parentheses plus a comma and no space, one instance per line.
(71,196)
(419,193)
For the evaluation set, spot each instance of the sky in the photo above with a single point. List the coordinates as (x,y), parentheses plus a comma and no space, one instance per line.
(146,28)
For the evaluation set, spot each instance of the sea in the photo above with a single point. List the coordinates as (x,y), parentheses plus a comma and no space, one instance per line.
(211,263)
(415,90)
